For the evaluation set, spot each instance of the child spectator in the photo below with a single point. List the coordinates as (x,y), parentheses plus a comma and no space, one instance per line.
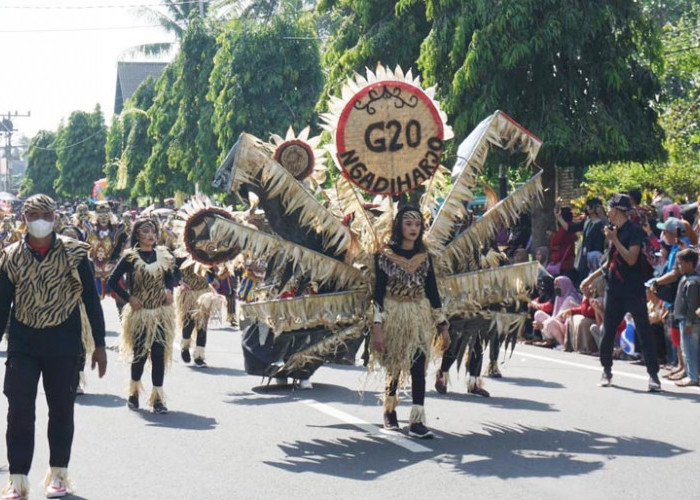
(687,301)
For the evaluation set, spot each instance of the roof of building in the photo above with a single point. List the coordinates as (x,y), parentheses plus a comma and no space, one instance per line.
(129,77)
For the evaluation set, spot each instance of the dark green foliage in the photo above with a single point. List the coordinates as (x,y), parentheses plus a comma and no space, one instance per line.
(80,153)
(41,165)
(266,77)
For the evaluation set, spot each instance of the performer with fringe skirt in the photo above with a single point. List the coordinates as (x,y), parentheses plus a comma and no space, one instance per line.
(148,318)
(407,309)
(192,314)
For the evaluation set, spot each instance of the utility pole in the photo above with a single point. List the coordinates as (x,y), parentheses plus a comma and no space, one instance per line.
(7,127)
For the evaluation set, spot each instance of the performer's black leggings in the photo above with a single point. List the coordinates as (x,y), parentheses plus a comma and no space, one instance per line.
(60,378)
(417,380)
(476,358)
(188,328)
(157,364)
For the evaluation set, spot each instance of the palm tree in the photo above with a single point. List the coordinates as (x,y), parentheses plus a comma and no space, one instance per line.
(174,16)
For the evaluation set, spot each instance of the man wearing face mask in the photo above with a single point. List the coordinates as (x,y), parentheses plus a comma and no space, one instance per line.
(48,291)
(624,291)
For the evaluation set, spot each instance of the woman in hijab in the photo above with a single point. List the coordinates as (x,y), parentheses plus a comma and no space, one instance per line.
(553,326)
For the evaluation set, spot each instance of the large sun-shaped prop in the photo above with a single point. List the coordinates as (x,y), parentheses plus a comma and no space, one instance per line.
(299,155)
(388,132)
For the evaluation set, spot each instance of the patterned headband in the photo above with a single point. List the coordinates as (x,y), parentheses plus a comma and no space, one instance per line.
(39,203)
(411,215)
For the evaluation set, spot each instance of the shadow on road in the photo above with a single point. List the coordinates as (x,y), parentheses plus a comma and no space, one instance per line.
(499,402)
(322,393)
(501,451)
(530,382)
(104,400)
(683,396)
(179,420)
(217,370)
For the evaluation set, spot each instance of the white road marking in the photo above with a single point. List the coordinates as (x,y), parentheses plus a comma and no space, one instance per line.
(391,436)
(586,367)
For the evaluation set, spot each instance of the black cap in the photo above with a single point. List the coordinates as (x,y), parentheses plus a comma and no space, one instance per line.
(620,201)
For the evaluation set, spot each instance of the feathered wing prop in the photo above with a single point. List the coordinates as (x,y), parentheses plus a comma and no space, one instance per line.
(464,295)
(309,311)
(248,163)
(498,130)
(504,214)
(211,236)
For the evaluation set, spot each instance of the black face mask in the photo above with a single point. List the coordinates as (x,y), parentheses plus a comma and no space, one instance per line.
(557,292)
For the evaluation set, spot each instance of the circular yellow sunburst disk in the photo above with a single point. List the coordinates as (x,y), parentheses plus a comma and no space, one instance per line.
(388,132)
(300,155)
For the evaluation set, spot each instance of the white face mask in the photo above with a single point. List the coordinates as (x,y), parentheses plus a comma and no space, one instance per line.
(40,228)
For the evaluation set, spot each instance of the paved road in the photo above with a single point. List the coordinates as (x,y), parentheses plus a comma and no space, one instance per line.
(546,432)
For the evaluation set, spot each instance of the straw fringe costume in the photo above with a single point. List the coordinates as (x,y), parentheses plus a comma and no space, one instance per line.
(150,329)
(192,314)
(408,305)
(334,242)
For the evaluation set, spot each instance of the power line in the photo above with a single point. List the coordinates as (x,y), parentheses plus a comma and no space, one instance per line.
(110,28)
(69,145)
(113,6)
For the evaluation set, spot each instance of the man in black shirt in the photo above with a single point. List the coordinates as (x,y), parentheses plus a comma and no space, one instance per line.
(45,282)
(624,291)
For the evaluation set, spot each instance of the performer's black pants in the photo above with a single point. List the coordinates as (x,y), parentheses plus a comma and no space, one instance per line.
(60,376)
(417,380)
(188,328)
(157,364)
(614,312)
(476,358)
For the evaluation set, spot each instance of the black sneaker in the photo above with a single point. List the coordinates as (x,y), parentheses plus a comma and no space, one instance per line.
(391,422)
(420,431)
(133,402)
(605,380)
(654,384)
(200,362)
(159,408)
(480,391)
(185,353)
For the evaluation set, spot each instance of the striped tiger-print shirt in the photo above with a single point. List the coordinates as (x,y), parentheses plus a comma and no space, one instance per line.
(47,290)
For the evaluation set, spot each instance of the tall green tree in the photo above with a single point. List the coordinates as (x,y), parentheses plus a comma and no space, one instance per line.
(193,150)
(114,145)
(41,165)
(137,144)
(266,76)
(80,153)
(370,31)
(578,74)
(158,179)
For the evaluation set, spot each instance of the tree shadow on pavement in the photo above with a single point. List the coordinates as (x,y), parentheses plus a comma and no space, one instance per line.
(104,400)
(505,452)
(179,420)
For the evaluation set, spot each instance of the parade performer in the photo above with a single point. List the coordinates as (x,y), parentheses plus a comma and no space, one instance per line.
(47,290)
(148,319)
(8,233)
(407,308)
(81,218)
(105,250)
(333,242)
(192,312)
(226,283)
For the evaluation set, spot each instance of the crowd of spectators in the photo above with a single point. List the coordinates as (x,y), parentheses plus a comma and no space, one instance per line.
(620,281)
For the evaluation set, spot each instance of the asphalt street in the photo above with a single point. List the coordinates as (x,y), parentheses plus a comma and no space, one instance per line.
(547,432)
